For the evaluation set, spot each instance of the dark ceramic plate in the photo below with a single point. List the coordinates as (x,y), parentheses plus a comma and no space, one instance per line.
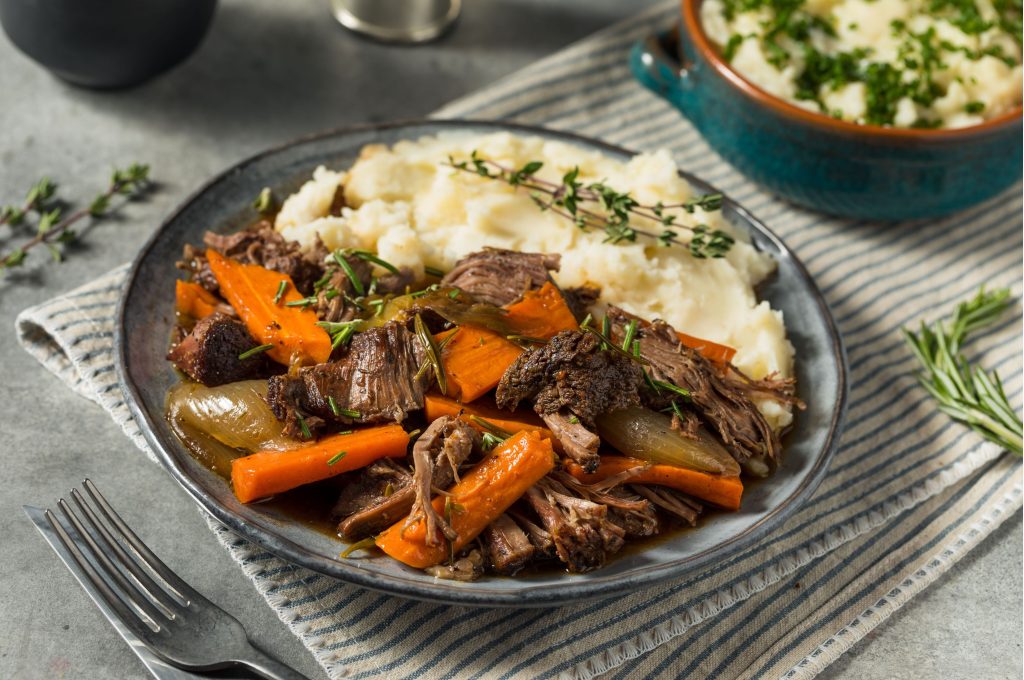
(146,317)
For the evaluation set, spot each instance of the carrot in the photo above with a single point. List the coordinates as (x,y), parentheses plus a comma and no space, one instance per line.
(720,354)
(479,498)
(436,406)
(474,361)
(271,472)
(542,313)
(193,300)
(251,290)
(722,491)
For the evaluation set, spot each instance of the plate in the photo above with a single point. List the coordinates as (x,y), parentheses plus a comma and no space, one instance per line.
(146,317)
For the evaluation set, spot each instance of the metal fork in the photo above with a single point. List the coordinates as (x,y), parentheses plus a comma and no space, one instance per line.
(171,619)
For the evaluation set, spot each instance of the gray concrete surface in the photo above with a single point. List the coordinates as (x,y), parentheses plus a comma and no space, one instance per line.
(270,71)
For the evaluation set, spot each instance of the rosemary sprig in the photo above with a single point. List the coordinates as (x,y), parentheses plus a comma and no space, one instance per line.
(596,205)
(52,230)
(967,393)
(357,285)
(254,351)
(432,352)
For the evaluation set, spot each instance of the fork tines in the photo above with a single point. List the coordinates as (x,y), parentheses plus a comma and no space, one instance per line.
(133,581)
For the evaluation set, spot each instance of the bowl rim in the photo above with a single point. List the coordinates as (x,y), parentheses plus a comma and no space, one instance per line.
(596,586)
(694,31)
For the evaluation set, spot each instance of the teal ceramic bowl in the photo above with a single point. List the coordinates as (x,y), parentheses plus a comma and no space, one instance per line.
(841,168)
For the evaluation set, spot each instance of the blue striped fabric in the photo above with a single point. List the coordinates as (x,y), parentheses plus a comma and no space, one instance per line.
(909,493)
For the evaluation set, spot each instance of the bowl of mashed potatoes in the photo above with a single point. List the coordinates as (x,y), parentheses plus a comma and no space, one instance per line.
(873,109)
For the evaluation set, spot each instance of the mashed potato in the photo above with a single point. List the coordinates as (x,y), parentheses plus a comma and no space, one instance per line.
(902,63)
(411,208)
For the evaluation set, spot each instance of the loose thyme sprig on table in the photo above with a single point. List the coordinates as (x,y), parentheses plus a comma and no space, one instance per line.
(570,198)
(51,230)
(965,393)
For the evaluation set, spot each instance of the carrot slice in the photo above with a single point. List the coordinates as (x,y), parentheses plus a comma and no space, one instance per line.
(267,473)
(435,406)
(720,354)
(194,300)
(474,361)
(722,491)
(251,290)
(542,313)
(479,498)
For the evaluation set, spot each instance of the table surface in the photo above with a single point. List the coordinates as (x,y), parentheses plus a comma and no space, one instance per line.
(267,72)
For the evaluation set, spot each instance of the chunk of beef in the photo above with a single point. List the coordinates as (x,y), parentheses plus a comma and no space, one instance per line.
(395,283)
(580,299)
(571,381)
(577,442)
(376,379)
(499,277)
(379,497)
(443,447)
(580,529)
(209,354)
(507,546)
(721,402)
(261,244)
(437,454)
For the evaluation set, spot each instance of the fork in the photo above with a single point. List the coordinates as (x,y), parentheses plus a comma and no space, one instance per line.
(169,618)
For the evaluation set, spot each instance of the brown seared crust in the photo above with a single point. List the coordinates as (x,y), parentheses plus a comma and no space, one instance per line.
(210,353)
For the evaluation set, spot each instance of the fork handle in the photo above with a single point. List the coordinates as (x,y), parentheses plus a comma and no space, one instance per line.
(266,666)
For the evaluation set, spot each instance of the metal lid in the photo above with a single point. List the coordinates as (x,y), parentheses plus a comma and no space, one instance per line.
(400,21)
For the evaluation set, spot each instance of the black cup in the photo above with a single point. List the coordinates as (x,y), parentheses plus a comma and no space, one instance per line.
(106,43)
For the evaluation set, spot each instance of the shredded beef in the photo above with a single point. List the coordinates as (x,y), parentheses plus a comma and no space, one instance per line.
(437,455)
(261,244)
(582,534)
(376,378)
(499,277)
(720,401)
(193,260)
(209,354)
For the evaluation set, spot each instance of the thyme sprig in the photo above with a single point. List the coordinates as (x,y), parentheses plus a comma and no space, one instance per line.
(51,229)
(595,205)
(967,393)
(37,199)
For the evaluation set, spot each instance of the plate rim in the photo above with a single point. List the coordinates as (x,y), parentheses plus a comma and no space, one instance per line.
(546,595)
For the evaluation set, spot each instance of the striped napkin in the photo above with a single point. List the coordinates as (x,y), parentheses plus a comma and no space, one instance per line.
(908,495)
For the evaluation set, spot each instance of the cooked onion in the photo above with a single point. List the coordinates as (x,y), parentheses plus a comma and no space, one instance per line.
(459,310)
(646,434)
(236,414)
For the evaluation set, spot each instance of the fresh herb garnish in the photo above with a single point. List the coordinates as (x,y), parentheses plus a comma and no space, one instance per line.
(304,302)
(281,288)
(357,285)
(254,351)
(52,230)
(336,457)
(488,441)
(574,420)
(306,434)
(965,393)
(433,271)
(370,257)
(669,387)
(348,413)
(627,341)
(340,331)
(432,352)
(487,425)
(595,205)
(265,203)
